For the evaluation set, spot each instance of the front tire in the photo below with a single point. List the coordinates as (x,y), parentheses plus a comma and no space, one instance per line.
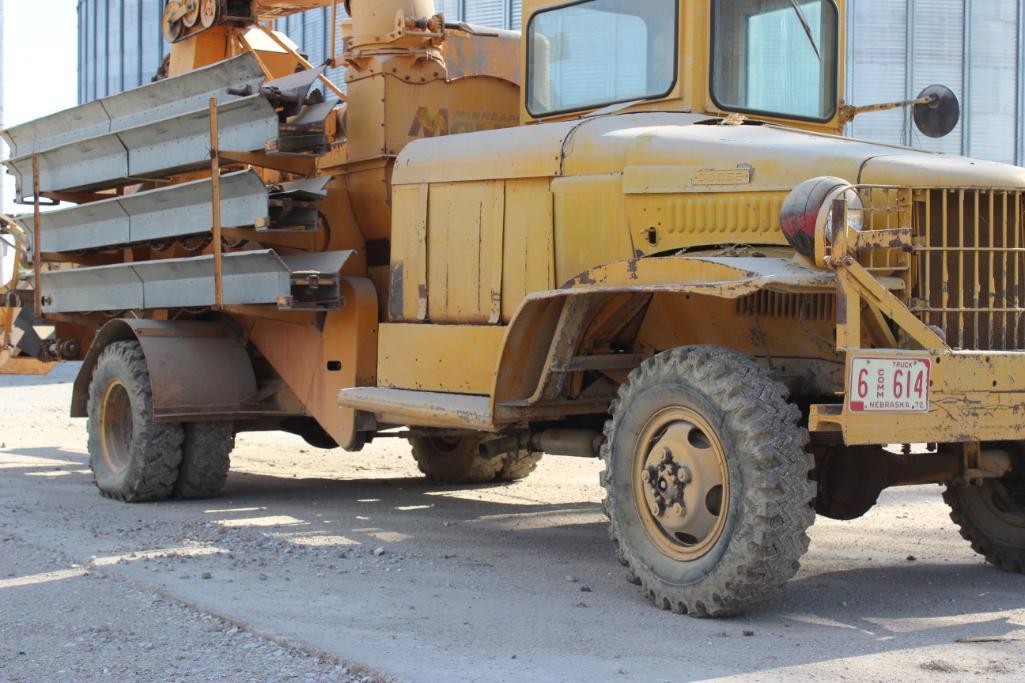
(133,458)
(707,482)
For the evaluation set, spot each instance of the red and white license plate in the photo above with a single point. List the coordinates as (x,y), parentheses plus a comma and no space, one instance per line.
(889,385)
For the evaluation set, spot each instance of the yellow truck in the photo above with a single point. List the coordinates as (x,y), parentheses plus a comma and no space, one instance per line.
(634,232)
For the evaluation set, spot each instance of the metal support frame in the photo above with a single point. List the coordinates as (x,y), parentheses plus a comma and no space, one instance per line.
(215,191)
(857,286)
(287,48)
(37,239)
(333,59)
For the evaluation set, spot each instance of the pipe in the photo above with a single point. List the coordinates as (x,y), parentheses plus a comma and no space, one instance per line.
(575,443)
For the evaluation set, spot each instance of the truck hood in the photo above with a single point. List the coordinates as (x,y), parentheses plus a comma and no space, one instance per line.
(669,152)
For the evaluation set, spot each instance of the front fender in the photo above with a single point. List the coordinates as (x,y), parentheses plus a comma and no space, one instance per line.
(549,327)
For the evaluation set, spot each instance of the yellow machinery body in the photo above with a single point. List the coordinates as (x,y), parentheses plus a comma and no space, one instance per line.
(508,269)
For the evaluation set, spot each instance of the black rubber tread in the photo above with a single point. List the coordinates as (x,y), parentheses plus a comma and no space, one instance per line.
(454,460)
(1000,542)
(156,448)
(519,466)
(771,490)
(206,459)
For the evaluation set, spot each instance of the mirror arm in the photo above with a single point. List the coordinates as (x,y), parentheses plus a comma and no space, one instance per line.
(849,111)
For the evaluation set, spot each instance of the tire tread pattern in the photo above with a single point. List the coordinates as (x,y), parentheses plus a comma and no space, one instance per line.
(156,448)
(462,463)
(206,459)
(771,536)
(1006,557)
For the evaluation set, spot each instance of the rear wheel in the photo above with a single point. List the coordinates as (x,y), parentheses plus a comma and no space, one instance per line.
(456,459)
(707,482)
(133,458)
(206,458)
(992,518)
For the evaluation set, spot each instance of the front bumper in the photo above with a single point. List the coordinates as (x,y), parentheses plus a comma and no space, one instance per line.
(974,396)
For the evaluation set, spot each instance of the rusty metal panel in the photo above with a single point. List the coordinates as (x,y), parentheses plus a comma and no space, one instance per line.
(220,377)
(408,291)
(975,397)
(459,359)
(969,278)
(220,380)
(464,251)
(529,263)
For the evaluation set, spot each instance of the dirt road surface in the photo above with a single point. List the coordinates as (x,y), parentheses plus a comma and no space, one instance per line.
(315,564)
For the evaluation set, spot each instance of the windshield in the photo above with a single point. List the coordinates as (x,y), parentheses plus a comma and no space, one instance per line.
(776,57)
(600,52)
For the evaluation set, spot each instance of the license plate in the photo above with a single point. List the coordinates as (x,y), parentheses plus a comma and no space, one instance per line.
(890,385)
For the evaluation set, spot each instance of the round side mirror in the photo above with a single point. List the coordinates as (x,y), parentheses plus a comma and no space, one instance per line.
(938,117)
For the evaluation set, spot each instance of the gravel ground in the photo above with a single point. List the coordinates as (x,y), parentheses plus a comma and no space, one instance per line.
(329,558)
(66,621)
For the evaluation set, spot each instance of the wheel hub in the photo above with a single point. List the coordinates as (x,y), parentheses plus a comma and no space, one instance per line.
(681,483)
(666,483)
(116,427)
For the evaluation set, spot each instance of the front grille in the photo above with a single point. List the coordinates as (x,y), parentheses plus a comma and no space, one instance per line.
(965,275)
(969,267)
(803,307)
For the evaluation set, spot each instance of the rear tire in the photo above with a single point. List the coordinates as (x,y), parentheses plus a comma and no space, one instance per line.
(707,482)
(457,460)
(206,459)
(992,518)
(133,458)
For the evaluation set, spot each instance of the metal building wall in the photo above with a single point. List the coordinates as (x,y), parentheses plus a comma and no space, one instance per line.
(898,47)
(120,45)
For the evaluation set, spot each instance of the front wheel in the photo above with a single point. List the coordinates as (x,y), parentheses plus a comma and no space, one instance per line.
(707,482)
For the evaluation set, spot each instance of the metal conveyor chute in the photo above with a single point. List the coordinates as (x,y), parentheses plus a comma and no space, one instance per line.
(250,277)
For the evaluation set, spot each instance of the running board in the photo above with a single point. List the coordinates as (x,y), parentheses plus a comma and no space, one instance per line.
(420,408)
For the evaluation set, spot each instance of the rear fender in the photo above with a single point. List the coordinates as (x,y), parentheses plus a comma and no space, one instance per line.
(198,371)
